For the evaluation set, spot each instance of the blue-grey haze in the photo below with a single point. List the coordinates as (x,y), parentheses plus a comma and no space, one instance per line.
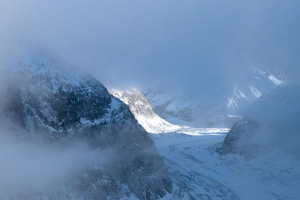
(197,45)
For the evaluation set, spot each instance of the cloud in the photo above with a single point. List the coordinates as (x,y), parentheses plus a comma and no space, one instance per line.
(193,45)
(27,166)
(35,165)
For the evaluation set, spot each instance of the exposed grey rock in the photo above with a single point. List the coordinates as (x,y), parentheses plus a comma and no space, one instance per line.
(240,139)
(48,99)
(269,124)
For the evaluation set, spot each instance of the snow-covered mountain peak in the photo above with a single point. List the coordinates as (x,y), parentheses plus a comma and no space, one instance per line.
(37,63)
(48,100)
(245,92)
(177,107)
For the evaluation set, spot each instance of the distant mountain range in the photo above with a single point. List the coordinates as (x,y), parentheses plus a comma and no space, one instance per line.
(177,108)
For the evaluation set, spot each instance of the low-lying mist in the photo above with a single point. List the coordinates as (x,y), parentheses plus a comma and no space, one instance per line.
(28,165)
(277,115)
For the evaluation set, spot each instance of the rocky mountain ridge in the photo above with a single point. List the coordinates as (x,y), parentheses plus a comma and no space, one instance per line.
(44,97)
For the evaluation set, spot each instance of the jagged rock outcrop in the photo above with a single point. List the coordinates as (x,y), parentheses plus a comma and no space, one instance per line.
(46,98)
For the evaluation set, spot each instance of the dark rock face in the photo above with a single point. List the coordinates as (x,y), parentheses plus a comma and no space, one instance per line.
(239,139)
(50,100)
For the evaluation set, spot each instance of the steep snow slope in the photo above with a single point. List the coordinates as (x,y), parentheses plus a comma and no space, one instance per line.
(142,111)
(223,111)
(246,92)
(47,101)
(152,123)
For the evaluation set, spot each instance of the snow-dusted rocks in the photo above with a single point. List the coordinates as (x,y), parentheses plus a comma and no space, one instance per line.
(176,108)
(222,109)
(271,123)
(142,111)
(247,91)
(152,123)
(50,101)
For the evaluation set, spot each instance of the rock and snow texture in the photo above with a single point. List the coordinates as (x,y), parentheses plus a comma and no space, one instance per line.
(152,123)
(176,108)
(223,111)
(48,101)
(257,159)
(247,91)
(271,123)
(142,111)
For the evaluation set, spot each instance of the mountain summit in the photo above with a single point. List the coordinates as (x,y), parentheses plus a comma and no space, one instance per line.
(48,101)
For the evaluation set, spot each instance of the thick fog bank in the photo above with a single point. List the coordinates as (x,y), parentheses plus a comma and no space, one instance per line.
(271,123)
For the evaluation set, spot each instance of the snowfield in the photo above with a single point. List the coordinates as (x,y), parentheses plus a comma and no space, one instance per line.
(200,170)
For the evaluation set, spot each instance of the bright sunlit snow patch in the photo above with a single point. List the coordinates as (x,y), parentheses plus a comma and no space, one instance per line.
(275,80)
(242,95)
(255,92)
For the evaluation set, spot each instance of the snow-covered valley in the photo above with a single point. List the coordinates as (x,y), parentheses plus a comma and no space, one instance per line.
(200,170)
(148,157)
(198,165)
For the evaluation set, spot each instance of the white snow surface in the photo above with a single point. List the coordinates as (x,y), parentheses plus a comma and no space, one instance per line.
(142,110)
(151,122)
(275,80)
(255,92)
(199,169)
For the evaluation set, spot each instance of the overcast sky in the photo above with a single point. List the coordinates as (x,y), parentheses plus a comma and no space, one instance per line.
(194,44)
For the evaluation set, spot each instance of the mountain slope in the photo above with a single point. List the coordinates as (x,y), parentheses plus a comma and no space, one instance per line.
(223,110)
(152,123)
(176,108)
(270,124)
(142,111)
(49,101)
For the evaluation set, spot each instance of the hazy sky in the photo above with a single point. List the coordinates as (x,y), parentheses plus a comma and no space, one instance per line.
(195,44)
